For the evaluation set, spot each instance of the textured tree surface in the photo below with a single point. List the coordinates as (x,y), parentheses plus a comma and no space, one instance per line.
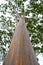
(21,51)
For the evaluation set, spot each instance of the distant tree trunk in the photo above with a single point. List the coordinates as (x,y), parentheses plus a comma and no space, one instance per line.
(21,51)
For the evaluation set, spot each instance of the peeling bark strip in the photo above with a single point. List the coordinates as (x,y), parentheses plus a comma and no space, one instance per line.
(21,51)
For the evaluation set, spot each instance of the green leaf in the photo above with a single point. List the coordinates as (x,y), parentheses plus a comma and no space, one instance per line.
(41,50)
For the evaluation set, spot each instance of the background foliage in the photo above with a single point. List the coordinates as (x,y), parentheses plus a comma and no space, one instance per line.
(33,10)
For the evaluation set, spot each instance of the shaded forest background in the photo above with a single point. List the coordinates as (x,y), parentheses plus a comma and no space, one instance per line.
(33,11)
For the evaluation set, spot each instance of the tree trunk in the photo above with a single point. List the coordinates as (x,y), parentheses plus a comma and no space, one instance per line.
(21,51)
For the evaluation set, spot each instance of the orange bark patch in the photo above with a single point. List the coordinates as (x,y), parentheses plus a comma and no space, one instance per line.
(20,61)
(12,47)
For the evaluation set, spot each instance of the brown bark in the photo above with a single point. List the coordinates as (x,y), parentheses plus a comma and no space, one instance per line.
(21,51)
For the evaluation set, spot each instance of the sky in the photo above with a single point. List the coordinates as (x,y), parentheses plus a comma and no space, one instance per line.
(40,56)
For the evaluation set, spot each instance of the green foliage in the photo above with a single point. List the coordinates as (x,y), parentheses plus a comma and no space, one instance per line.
(34,23)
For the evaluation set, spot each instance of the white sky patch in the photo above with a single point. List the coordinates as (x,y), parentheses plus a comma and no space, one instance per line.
(3,1)
(30,14)
(26,3)
(40,59)
(39,16)
(1,13)
(38,2)
(7,15)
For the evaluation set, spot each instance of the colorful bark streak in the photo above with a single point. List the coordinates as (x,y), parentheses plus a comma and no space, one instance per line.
(12,47)
(20,61)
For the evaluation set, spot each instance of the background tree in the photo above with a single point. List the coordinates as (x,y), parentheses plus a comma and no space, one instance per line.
(33,11)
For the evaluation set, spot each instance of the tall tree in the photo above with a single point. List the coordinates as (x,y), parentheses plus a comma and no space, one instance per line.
(33,12)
